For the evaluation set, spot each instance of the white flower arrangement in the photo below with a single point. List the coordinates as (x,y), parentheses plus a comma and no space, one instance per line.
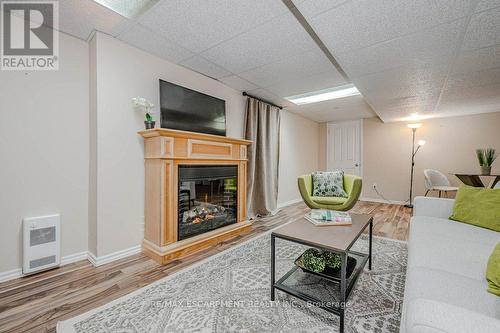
(142,104)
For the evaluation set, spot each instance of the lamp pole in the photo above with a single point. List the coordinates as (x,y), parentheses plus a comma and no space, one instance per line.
(413,153)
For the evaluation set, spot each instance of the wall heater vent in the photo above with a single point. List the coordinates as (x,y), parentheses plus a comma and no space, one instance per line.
(42,243)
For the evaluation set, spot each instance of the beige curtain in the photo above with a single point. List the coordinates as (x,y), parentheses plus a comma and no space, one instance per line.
(263,128)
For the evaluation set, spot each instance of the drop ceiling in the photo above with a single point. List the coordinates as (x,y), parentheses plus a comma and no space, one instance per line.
(432,57)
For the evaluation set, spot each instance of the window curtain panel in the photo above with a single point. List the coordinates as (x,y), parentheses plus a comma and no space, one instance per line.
(263,128)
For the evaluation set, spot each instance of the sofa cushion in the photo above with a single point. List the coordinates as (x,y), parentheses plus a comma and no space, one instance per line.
(425,226)
(328,184)
(427,316)
(450,288)
(478,206)
(329,200)
(442,244)
(493,271)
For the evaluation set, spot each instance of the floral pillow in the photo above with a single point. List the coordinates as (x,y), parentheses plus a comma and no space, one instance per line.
(328,184)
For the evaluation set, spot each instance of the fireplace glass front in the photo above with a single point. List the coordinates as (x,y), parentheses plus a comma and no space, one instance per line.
(207,198)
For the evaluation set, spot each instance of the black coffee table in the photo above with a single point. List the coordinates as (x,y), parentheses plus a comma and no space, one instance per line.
(338,239)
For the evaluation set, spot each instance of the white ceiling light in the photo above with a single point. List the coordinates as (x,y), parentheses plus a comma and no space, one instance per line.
(127,8)
(324,95)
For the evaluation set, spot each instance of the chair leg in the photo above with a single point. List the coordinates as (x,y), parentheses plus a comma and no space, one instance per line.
(446,194)
(440,194)
(426,192)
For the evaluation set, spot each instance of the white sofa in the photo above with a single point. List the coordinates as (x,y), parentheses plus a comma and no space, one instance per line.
(445,287)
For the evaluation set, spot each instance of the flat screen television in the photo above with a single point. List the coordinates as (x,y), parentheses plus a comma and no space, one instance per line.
(188,110)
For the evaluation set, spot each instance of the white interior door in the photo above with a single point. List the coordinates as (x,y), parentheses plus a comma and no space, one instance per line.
(344,146)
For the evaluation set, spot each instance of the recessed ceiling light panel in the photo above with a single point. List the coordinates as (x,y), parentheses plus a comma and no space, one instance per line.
(128,8)
(324,95)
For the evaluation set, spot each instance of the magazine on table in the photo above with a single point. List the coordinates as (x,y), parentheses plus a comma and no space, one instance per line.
(325,217)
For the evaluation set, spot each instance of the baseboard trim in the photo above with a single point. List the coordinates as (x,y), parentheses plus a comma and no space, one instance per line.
(95,261)
(98,261)
(18,272)
(10,275)
(73,258)
(393,202)
(289,203)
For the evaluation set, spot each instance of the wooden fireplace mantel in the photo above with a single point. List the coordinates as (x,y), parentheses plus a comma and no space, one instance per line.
(164,151)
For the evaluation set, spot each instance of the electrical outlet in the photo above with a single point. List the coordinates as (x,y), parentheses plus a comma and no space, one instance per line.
(374,186)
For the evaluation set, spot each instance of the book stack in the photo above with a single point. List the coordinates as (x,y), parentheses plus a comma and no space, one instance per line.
(325,217)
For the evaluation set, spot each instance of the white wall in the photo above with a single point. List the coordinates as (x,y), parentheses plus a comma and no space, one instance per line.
(124,72)
(299,147)
(44,138)
(69,144)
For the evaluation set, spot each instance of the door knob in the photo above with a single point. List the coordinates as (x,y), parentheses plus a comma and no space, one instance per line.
(356,165)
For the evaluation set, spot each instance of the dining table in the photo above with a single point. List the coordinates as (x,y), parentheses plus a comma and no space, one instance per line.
(474,179)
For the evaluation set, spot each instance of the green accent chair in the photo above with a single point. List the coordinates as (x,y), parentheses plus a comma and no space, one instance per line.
(352,186)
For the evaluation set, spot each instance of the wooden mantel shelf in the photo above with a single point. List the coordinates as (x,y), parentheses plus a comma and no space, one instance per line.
(164,151)
(190,135)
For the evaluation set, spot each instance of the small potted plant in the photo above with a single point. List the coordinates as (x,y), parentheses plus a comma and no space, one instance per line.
(486,157)
(143,105)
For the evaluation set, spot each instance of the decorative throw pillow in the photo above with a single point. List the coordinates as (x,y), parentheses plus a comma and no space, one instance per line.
(493,271)
(478,206)
(328,184)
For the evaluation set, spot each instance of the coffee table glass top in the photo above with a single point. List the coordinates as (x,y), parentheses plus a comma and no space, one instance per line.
(335,238)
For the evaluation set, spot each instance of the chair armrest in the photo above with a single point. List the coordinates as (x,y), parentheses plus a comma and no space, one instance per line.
(305,188)
(428,316)
(352,184)
(433,207)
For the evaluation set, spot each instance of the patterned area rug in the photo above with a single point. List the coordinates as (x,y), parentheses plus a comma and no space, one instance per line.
(229,292)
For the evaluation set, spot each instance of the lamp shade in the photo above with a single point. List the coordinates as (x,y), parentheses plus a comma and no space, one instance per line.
(421,142)
(415,125)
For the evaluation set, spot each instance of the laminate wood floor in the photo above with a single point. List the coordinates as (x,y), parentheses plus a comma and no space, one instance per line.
(37,303)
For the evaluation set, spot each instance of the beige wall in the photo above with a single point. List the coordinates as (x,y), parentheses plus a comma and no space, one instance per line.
(323,132)
(44,135)
(298,153)
(69,145)
(450,147)
(124,72)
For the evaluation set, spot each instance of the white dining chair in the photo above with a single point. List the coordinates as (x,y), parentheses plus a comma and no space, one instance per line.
(437,181)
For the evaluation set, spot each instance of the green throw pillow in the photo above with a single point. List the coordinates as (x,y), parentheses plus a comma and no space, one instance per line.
(493,271)
(328,184)
(478,206)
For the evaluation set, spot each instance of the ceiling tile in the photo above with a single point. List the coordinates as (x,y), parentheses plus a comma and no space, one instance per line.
(476,60)
(480,99)
(153,43)
(474,79)
(238,83)
(360,23)
(80,17)
(268,43)
(306,84)
(292,67)
(311,8)
(423,77)
(198,25)
(203,66)
(433,46)
(483,30)
(487,4)
(348,108)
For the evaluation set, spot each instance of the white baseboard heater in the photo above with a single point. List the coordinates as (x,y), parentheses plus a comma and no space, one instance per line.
(41,243)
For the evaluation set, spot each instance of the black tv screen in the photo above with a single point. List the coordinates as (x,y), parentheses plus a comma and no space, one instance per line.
(189,110)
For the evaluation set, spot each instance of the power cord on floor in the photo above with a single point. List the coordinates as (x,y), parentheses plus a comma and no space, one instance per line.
(384,198)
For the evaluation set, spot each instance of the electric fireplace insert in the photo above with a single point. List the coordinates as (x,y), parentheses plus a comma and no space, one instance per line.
(207,198)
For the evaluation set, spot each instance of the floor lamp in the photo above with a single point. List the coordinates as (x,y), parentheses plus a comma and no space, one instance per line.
(414,152)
